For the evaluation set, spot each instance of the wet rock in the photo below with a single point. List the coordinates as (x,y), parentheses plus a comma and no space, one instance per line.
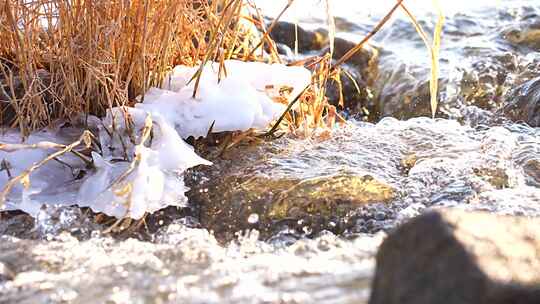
(532,170)
(526,34)
(400,94)
(5,273)
(361,70)
(328,195)
(523,103)
(288,33)
(365,60)
(310,205)
(486,80)
(460,257)
(355,93)
(308,41)
(299,186)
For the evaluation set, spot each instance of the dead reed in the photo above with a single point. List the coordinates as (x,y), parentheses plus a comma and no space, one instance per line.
(62,58)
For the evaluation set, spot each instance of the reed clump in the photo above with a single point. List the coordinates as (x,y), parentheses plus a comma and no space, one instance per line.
(62,58)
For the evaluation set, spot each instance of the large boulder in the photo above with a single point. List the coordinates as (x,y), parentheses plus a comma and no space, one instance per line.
(454,256)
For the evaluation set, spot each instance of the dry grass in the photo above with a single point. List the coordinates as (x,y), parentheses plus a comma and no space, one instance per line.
(61,58)
(433,49)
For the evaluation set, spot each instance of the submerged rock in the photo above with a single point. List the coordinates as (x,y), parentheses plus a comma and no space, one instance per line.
(458,257)
(524,103)
(524,35)
(267,202)
(330,195)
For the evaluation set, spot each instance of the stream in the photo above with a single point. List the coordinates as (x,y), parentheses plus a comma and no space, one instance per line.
(300,220)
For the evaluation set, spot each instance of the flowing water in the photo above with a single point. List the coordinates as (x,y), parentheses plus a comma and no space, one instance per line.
(253,235)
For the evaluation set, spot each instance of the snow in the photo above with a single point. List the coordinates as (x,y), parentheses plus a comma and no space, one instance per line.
(242,98)
(129,179)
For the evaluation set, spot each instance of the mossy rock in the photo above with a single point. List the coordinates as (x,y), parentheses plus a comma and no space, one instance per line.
(228,204)
(330,195)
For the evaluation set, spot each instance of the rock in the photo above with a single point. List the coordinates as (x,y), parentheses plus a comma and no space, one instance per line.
(362,66)
(285,184)
(523,103)
(327,195)
(287,33)
(357,96)
(460,257)
(365,60)
(526,35)
(532,170)
(313,204)
(5,272)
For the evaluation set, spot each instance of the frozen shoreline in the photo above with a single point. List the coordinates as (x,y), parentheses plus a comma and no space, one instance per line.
(137,173)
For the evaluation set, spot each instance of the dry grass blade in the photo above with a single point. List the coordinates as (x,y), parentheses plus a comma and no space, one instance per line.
(40,145)
(433,51)
(24,178)
(435,62)
(331,27)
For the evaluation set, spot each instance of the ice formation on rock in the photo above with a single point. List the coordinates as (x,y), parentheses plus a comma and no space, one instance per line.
(243,97)
(156,182)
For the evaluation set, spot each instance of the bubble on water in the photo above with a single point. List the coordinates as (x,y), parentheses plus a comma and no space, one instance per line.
(307,230)
(253,218)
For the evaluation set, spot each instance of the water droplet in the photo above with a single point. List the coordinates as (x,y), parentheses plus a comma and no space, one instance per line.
(253,218)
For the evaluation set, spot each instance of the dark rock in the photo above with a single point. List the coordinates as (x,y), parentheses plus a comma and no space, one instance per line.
(6,273)
(460,257)
(402,95)
(357,97)
(287,33)
(365,61)
(362,67)
(523,103)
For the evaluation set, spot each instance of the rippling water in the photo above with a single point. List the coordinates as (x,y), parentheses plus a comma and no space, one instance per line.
(477,162)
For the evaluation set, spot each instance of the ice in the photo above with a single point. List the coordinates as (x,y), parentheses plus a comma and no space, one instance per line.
(50,182)
(240,96)
(155,183)
(129,179)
